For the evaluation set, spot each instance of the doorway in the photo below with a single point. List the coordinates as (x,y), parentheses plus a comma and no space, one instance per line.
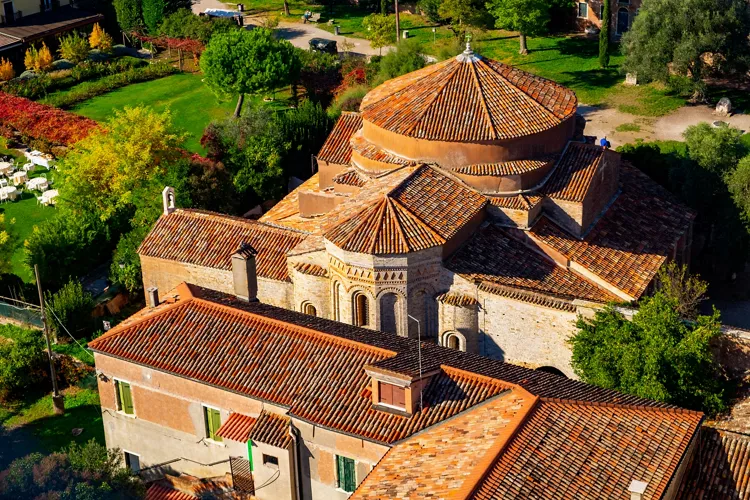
(8,12)
(623,21)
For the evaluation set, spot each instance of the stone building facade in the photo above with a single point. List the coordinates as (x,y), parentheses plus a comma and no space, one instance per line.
(461,205)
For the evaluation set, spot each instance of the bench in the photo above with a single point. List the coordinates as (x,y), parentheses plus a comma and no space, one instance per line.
(314,18)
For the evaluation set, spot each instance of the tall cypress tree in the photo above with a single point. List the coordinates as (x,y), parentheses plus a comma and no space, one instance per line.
(604,35)
(153,14)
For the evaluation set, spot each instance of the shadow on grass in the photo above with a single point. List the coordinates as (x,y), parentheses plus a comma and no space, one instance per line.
(597,78)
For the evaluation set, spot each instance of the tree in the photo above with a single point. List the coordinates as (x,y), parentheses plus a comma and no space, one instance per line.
(430,8)
(128,14)
(6,70)
(248,62)
(528,17)
(6,248)
(320,74)
(405,59)
(75,47)
(24,363)
(381,30)
(656,355)
(464,14)
(38,59)
(685,290)
(653,47)
(738,182)
(604,34)
(716,149)
(95,38)
(184,24)
(71,306)
(103,173)
(153,14)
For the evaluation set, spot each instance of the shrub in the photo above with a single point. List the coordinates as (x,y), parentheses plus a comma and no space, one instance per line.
(18,478)
(71,306)
(88,90)
(405,59)
(6,70)
(349,100)
(24,364)
(153,14)
(37,121)
(74,48)
(95,38)
(38,59)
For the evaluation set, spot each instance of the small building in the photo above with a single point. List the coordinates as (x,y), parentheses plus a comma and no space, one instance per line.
(589,14)
(293,406)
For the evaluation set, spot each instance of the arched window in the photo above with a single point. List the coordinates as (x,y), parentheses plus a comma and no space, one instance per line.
(454,340)
(337,301)
(308,308)
(361,309)
(389,313)
(623,20)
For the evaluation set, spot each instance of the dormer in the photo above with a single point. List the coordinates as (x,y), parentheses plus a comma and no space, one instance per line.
(397,384)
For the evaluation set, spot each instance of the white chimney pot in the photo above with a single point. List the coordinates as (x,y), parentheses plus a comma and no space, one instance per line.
(637,489)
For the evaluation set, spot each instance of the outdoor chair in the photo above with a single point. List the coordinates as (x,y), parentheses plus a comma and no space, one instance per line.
(4,197)
(3,182)
(40,200)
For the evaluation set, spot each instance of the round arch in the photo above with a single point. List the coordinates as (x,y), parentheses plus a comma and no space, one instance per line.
(454,340)
(552,370)
(308,308)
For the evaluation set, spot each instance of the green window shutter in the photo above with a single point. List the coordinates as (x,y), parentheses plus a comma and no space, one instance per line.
(349,482)
(250,453)
(340,471)
(126,398)
(216,416)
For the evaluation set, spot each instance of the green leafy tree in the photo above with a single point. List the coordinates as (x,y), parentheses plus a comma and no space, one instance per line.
(153,14)
(685,290)
(74,48)
(528,17)
(431,9)
(658,355)
(243,62)
(716,149)
(604,34)
(6,247)
(381,30)
(406,58)
(128,14)
(184,24)
(738,182)
(71,306)
(320,75)
(654,47)
(464,15)
(24,364)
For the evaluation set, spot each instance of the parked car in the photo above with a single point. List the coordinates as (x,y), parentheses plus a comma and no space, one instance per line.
(324,45)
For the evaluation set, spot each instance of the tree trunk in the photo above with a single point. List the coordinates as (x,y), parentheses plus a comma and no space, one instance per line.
(384,7)
(238,109)
(524,50)
(286,8)
(398,25)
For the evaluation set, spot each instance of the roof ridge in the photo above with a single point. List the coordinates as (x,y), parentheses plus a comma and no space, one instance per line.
(416,218)
(429,105)
(367,209)
(482,99)
(391,209)
(230,219)
(629,406)
(518,90)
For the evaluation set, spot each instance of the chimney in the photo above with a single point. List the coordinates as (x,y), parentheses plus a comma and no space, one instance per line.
(244,273)
(152,297)
(637,489)
(167,199)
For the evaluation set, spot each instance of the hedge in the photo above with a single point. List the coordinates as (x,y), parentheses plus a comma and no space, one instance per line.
(88,90)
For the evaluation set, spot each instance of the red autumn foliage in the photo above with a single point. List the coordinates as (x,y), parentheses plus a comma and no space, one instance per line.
(164,42)
(357,76)
(42,122)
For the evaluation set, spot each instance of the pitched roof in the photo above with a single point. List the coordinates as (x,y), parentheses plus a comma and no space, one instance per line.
(271,429)
(512,167)
(350,177)
(629,243)
(315,367)
(310,269)
(444,461)
(372,152)
(406,211)
(496,102)
(494,257)
(209,239)
(457,299)
(574,172)
(720,467)
(237,427)
(517,202)
(286,212)
(337,149)
(159,492)
(569,450)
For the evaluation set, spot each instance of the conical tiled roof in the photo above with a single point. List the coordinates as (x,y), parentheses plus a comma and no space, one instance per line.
(468,98)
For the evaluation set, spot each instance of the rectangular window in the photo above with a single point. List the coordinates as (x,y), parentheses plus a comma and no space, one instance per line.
(346,479)
(132,462)
(212,417)
(601,11)
(124,397)
(392,395)
(270,461)
(583,10)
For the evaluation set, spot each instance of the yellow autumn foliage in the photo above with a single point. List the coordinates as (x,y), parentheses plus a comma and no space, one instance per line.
(95,38)
(44,59)
(6,70)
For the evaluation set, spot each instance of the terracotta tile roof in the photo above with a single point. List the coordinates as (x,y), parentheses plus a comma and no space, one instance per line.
(286,212)
(495,101)
(159,492)
(443,461)
(311,269)
(572,450)
(370,151)
(494,257)
(271,429)
(629,243)
(528,296)
(517,202)
(574,172)
(337,149)
(407,211)
(209,239)
(237,427)
(504,168)
(457,299)
(720,467)
(351,177)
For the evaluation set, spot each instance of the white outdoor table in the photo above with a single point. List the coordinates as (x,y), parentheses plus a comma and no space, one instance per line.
(20,177)
(11,191)
(5,167)
(38,183)
(49,196)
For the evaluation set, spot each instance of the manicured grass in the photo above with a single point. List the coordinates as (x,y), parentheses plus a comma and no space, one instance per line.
(20,217)
(53,432)
(628,127)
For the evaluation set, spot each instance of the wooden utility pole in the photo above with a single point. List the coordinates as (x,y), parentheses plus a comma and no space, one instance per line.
(58,405)
(398,26)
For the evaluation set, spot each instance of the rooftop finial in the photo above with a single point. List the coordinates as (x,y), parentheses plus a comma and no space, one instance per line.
(468,43)
(468,54)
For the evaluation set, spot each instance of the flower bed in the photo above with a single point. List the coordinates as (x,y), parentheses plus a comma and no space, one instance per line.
(41,123)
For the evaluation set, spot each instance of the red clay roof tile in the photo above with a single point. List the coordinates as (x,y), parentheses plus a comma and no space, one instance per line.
(159,492)
(271,429)
(337,149)
(513,167)
(574,172)
(237,427)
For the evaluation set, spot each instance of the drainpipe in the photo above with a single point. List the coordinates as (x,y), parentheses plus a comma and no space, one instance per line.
(294,433)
